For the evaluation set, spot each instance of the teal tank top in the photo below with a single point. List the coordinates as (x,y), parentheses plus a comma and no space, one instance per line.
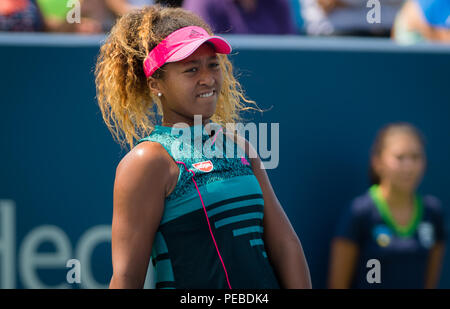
(225,248)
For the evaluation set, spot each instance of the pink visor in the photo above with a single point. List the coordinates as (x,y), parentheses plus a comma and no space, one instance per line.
(181,44)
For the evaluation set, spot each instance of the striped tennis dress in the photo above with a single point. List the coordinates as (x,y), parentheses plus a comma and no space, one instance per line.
(184,254)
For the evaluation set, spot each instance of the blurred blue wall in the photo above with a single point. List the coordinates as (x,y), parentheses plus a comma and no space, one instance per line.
(329,96)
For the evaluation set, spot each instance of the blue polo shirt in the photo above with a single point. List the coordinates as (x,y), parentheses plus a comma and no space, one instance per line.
(403,257)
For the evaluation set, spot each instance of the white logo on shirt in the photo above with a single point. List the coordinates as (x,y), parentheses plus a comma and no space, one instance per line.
(425,233)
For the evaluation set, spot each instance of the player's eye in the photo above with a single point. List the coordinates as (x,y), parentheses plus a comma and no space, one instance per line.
(191,70)
(214,65)
(400,157)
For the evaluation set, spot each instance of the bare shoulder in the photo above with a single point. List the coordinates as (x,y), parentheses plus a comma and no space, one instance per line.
(146,155)
(144,164)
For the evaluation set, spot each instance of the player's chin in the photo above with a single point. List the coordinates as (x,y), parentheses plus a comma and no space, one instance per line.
(206,110)
(407,184)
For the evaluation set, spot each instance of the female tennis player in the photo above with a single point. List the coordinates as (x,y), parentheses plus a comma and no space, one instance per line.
(206,222)
(391,223)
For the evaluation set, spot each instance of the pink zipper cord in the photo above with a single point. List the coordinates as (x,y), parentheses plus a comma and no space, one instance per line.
(207,219)
(215,135)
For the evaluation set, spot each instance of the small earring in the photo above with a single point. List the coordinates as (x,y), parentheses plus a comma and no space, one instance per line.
(159,94)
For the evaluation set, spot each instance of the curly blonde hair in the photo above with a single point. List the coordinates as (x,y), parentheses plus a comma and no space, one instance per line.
(124,98)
